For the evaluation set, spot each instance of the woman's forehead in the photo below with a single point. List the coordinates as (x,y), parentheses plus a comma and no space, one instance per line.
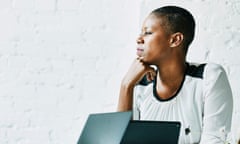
(152,21)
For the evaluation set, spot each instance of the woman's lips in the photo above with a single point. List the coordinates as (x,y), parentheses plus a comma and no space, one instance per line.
(139,51)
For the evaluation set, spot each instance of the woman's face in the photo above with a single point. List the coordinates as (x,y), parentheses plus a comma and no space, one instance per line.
(153,42)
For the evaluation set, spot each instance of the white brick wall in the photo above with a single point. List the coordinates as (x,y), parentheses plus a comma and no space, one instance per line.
(59,61)
(63,59)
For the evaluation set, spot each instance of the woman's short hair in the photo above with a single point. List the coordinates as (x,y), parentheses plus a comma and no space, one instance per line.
(178,19)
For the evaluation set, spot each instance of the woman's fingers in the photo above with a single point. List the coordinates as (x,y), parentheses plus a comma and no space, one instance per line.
(150,76)
(138,70)
(150,72)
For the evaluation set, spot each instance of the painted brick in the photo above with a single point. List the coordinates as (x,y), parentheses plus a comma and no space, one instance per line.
(61,60)
(45,5)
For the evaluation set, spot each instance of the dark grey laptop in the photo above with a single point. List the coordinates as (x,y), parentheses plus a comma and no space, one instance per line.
(105,128)
(151,132)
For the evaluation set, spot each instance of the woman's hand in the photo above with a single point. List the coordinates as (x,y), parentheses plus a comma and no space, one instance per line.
(137,71)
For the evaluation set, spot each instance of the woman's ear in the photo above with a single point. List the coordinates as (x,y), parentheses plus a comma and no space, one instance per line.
(176,39)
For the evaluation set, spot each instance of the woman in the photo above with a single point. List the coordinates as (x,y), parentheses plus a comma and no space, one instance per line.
(161,85)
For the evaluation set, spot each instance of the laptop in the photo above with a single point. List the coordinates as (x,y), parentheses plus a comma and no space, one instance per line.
(105,128)
(152,132)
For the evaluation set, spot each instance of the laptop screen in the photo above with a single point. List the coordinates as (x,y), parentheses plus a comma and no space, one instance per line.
(152,132)
(105,128)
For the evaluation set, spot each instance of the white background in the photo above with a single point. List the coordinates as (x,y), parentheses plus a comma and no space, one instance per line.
(63,59)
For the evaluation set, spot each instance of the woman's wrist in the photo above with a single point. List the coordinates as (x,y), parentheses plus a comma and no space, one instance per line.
(127,84)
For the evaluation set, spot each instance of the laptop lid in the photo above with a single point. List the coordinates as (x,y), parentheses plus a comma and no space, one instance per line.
(152,132)
(105,128)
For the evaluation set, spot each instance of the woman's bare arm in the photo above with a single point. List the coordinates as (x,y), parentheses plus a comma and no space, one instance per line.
(125,97)
(135,73)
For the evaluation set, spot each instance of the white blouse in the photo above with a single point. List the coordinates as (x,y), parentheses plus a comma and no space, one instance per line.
(203,105)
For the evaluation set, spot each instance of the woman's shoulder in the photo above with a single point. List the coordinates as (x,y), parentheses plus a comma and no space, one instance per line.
(203,70)
(214,67)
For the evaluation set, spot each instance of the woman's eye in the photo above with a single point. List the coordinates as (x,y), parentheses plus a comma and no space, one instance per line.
(147,33)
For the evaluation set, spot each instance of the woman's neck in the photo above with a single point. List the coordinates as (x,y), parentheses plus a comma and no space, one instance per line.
(169,79)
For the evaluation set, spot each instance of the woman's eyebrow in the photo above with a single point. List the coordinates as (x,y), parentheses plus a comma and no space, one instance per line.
(146,28)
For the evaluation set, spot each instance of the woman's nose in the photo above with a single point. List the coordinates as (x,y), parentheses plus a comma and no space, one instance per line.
(140,39)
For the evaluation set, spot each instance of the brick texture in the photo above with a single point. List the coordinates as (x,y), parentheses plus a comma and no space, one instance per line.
(63,59)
